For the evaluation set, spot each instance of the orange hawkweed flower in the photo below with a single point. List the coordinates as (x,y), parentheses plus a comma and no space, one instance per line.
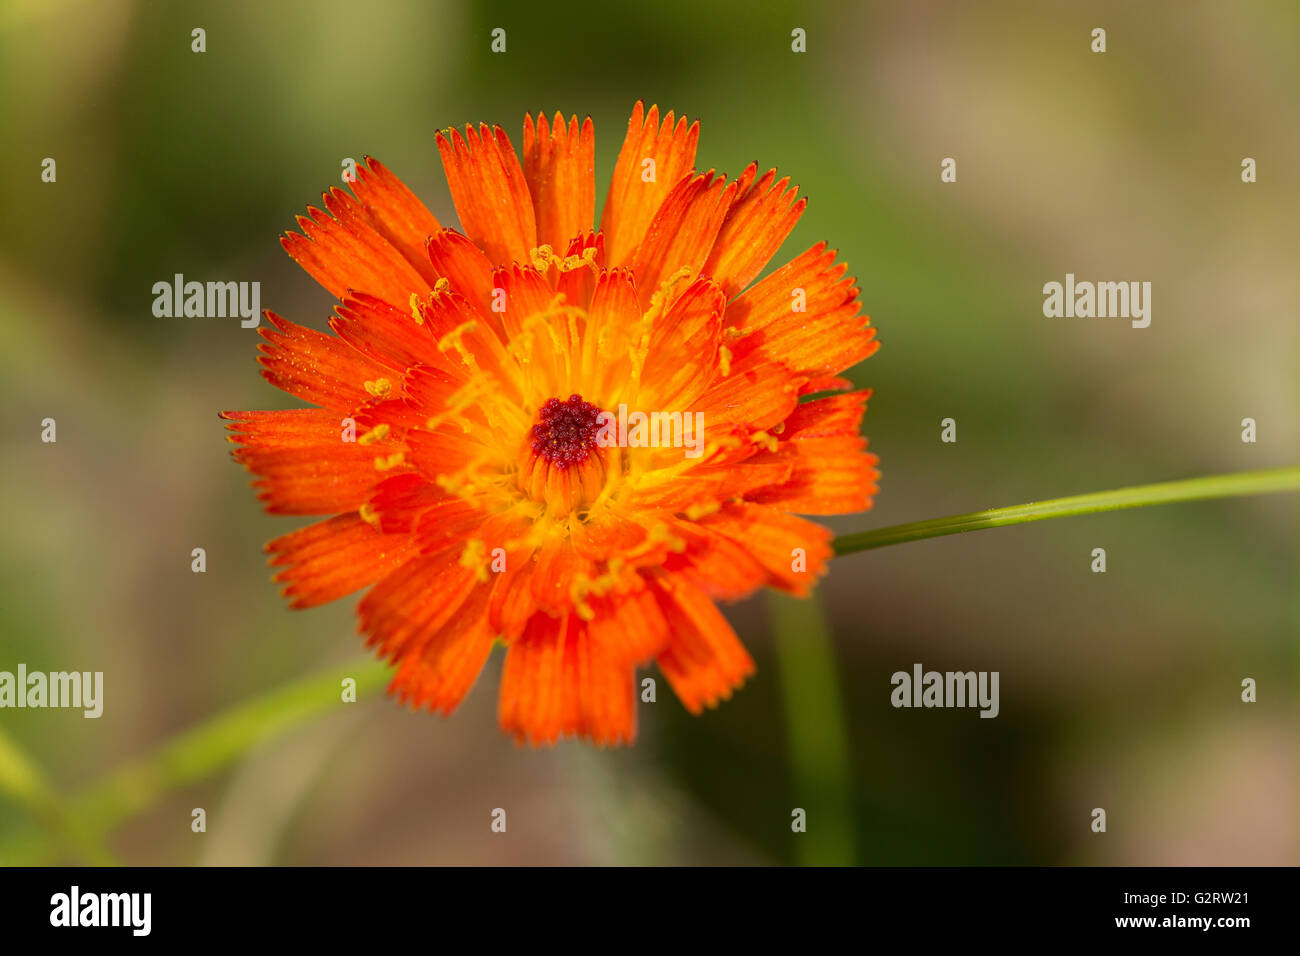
(455,435)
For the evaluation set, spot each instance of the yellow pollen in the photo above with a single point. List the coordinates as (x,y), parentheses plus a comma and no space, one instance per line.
(453,485)
(474,558)
(391,462)
(379,388)
(767,441)
(368,515)
(661,533)
(378,433)
(443,285)
(586,258)
(724,360)
(415,309)
(698,511)
(542,257)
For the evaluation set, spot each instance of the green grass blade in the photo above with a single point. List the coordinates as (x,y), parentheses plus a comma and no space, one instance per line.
(1168,492)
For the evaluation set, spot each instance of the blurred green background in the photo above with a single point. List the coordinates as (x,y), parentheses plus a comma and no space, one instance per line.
(1118,690)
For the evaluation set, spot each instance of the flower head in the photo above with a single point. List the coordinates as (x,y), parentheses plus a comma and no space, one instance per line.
(472,441)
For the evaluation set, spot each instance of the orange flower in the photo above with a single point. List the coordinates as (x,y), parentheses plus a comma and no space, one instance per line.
(456,435)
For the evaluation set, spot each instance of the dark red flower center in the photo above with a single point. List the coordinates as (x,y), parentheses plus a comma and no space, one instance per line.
(565,432)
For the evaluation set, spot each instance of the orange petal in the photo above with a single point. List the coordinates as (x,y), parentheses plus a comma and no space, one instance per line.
(544,350)
(393,211)
(560,166)
(821,345)
(558,566)
(333,558)
(612,329)
(385,334)
(512,600)
(632,202)
(758,391)
(831,474)
(816,273)
(683,231)
(343,254)
(780,542)
(427,391)
(469,345)
(313,366)
(704,660)
(683,352)
(490,193)
(445,450)
(558,681)
(527,294)
(399,502)
(409,606)
(449,660)
(630,626)
(464,265)
(611,532)
(329,446)
(576,285)
(757,222)
(719,566)
(305,465)
(286,429)
(448,524)
(826,337)
(677,491)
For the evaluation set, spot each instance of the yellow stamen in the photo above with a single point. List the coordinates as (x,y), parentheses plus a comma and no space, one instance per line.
(481,473)
(379,388)
(658,307)
(454,340)
(477,387)
(542,258)
(661,534)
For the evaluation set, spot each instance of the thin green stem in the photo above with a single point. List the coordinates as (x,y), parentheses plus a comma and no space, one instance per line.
(24,782)
(202,751)
(216,743)
(1192,489)
(817,735)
